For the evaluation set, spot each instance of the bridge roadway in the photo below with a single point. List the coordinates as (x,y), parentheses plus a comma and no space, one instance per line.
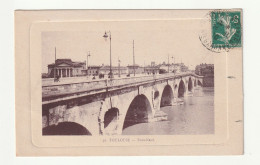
(105,106)
(69,87)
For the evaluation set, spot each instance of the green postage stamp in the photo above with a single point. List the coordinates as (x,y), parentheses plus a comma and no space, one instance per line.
(226,29)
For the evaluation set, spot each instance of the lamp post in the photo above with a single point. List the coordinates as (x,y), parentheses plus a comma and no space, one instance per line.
(105,36)
(144,67)
(54,69)
(173,59)
(119,67)
(168,65)
(88,55)
(134,56)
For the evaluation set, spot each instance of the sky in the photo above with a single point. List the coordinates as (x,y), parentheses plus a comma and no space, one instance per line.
(154,41)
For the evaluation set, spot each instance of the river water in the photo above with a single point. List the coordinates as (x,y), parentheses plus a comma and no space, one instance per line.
(195,116)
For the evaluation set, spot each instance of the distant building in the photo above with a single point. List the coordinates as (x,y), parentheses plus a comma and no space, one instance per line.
(66,68)
(135,69)
(183,67)
(92,70)
(105,70)
(151,69)
(45,75)
(115,70)
(173,68)
(180,67)
(165,67)
(206,70)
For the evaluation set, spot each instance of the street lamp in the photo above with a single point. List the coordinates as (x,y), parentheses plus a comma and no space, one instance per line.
(119,67)
(168,65)
(106,36)
(134,56)
(173,61)
(88,55)
(54,69)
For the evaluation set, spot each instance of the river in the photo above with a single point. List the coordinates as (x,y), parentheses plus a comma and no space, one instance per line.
(195,116)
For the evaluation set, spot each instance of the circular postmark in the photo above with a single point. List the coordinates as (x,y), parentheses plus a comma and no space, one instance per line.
(220,30)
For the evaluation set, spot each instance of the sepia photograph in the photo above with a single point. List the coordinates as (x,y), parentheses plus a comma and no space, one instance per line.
(127,78)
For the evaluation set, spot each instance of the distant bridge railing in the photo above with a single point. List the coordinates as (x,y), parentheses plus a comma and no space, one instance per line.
(60,88)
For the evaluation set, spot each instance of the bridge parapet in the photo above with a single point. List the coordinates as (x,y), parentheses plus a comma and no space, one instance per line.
(102,107)
(104,84)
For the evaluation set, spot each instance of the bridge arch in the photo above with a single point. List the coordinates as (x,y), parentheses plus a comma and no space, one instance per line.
(181,89)
(155,101)
(111,117)
(175,87)
(167,96)
(156,94)
(199,83)
(65,128)
(190,85)
(139,111)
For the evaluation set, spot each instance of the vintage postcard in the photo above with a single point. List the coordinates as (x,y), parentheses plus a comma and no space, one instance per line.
(129,82)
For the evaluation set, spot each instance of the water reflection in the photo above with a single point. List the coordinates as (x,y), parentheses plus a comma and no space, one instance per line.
(195,116)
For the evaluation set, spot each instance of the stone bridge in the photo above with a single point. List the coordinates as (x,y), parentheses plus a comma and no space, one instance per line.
(106,107)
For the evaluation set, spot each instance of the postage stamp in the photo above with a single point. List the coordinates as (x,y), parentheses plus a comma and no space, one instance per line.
(226,29)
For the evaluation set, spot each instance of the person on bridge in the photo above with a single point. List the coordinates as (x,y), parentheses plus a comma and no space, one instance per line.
(57,78)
